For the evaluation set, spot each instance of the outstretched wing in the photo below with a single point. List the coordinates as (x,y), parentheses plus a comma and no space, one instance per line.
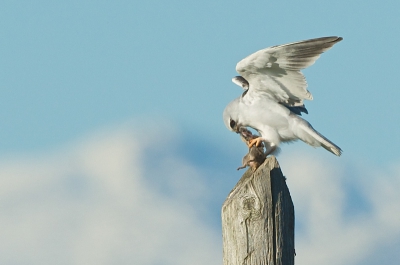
(276,70)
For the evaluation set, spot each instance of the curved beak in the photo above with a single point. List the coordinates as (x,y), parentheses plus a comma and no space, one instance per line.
(237,128)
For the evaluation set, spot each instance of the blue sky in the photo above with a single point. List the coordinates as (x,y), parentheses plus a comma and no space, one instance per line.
(70,70)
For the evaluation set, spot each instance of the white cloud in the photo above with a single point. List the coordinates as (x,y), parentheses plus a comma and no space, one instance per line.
(90,203)
(329,234)
(123,196)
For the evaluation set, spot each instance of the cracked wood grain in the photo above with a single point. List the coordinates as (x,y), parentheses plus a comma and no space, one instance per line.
(258,219)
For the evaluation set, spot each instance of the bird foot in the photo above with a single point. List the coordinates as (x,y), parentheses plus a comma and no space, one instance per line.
(256,141)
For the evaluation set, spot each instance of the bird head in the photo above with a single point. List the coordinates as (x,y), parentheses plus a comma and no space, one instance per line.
(231,118)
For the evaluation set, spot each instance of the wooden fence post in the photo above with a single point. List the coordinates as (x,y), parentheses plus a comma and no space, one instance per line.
(258,219)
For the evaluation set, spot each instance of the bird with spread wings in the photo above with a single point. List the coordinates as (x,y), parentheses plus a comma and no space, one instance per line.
(275,89)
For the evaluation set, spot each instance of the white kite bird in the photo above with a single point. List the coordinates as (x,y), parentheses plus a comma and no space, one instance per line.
(274,92)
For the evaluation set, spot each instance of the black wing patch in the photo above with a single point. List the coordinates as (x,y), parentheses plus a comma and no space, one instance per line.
(297,109)
(240,81)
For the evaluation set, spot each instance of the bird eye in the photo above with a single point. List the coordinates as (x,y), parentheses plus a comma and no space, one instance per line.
(232,123)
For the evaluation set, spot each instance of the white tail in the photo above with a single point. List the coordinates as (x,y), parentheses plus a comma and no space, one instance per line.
(310,136)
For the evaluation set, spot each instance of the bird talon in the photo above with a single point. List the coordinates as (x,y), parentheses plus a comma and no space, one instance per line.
(255,141)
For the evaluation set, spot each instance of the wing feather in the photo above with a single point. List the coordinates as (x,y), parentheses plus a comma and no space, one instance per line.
(276,70)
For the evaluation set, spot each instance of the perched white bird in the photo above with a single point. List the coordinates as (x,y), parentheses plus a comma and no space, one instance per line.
(274,92)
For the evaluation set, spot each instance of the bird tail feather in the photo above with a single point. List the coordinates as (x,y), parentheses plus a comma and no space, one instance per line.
(309,135)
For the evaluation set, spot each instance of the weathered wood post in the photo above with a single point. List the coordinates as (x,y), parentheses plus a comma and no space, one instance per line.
(258,219)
